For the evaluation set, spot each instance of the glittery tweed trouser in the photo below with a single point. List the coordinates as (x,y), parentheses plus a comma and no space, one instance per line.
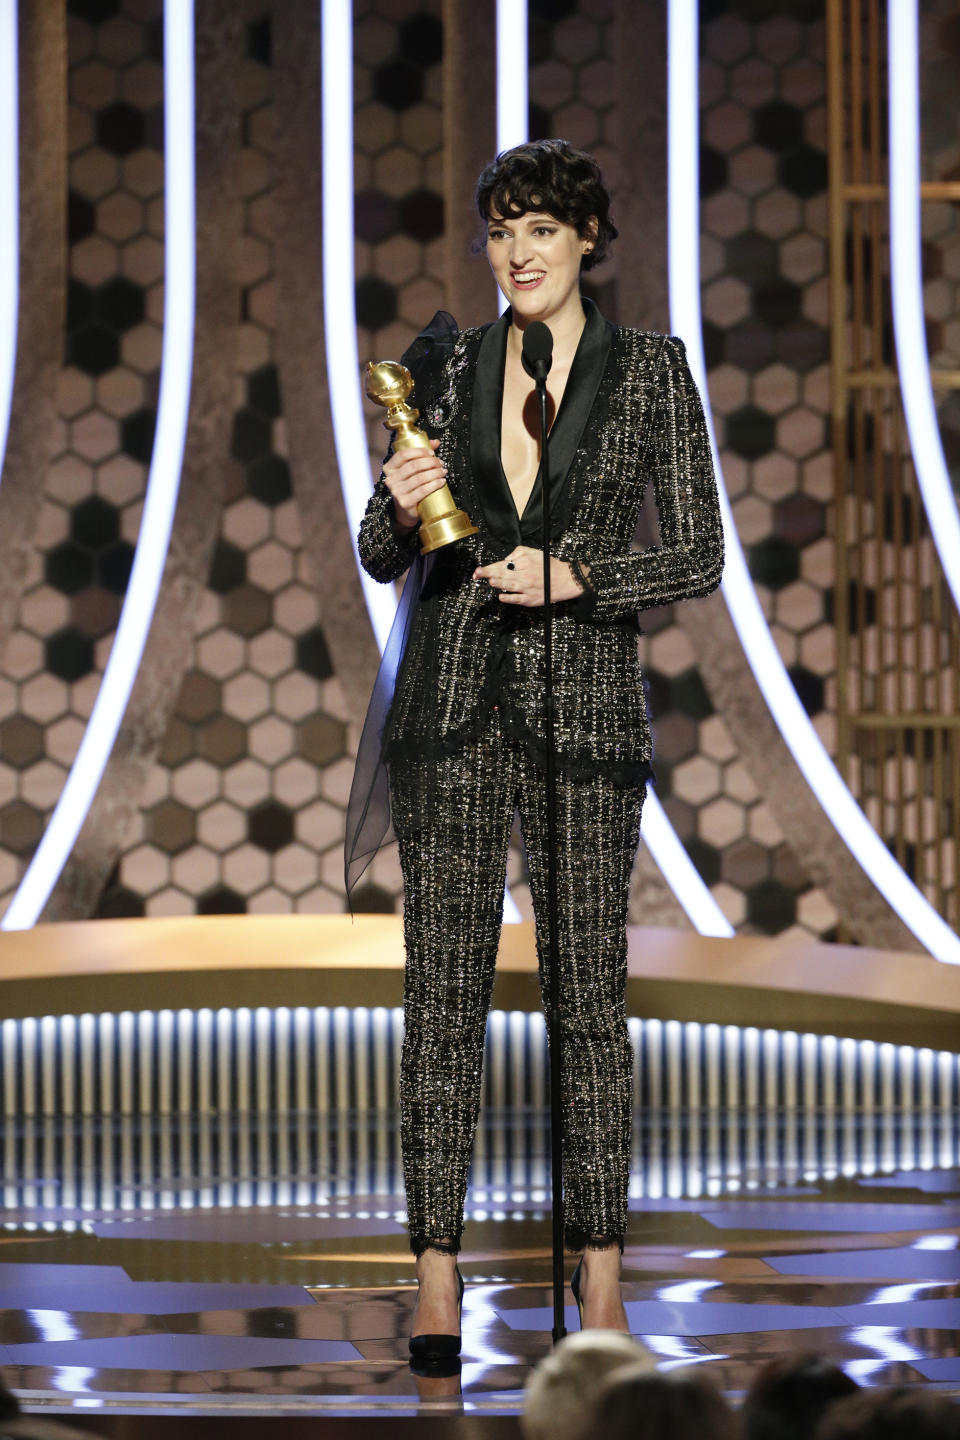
(453,874)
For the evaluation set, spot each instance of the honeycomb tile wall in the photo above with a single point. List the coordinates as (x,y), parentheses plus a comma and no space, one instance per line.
(908,798)
(107,395)
(763,182)
(244,809)
(764,272)
(940,160)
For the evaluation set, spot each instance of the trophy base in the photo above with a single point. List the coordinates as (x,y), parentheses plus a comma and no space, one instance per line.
(444,530)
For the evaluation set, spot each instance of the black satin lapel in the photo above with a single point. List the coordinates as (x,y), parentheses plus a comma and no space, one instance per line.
(579,395)
(499,510)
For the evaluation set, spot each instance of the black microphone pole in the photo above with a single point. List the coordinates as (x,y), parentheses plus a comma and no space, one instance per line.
(537,359)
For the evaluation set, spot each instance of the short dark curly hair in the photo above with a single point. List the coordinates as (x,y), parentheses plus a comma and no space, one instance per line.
(551,177)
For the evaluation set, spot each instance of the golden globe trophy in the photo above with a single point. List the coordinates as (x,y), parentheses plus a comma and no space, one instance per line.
(388,384)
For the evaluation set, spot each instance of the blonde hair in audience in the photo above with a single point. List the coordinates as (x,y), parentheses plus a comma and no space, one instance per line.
(561,1394)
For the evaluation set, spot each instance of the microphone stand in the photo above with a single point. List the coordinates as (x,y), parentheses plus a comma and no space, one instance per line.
(553,945)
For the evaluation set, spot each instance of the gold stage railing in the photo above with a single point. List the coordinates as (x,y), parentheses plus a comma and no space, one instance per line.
(897,630)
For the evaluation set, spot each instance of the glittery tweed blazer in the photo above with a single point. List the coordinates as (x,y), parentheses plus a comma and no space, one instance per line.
(630,416)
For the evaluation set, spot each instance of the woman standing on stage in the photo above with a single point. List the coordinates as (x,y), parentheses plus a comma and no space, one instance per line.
(465,737)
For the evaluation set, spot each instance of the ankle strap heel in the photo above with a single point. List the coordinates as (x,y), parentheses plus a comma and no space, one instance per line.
(438,1349)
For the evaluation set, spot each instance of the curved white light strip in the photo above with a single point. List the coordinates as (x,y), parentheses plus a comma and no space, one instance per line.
(339,309)
(805,745)
(512,74)
(679,871)
(163,483)
(661,839)
(9,214)
(906,276)
(513,90)
(339,304)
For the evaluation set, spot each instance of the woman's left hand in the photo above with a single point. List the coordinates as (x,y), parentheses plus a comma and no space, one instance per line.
(519,578)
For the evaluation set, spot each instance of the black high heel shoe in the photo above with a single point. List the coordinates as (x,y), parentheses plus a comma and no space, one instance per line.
(438,1349)
(575,1287)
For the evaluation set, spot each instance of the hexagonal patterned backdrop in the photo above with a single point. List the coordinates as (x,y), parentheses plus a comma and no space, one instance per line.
(763,183)
(244,809)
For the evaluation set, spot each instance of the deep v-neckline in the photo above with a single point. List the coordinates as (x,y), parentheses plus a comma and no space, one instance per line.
(550,430)
(583,381)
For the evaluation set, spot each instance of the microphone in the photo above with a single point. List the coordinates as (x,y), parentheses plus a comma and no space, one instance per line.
(537,355)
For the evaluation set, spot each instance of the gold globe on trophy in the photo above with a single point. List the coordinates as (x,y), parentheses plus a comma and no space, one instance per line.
(388,383)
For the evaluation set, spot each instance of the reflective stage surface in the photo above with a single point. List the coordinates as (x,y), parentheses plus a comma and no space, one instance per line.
(256,1264)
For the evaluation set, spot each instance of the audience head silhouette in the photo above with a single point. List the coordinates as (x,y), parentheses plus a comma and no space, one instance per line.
(790,1395)
(561,1395)
(895,1414)
(635,1404)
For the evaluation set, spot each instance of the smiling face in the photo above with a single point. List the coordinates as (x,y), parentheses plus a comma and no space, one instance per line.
(535,260)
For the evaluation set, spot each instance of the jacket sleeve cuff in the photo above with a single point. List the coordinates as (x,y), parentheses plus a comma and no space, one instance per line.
(584,605)
(385,550)
(406,539)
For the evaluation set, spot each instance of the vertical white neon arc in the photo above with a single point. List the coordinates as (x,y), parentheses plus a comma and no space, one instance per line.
(513,109)
(513,84)
(339,305)
(163,482)
(679,871)
(685,316)
(9,213)
(906,276)
(339,308)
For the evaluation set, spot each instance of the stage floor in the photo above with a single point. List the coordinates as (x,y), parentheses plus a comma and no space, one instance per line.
(268,1290)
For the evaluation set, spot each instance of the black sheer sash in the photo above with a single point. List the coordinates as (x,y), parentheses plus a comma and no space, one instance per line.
(368,809)
(369,825)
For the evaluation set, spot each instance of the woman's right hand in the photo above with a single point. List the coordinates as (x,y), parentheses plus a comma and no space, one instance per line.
(410,476)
